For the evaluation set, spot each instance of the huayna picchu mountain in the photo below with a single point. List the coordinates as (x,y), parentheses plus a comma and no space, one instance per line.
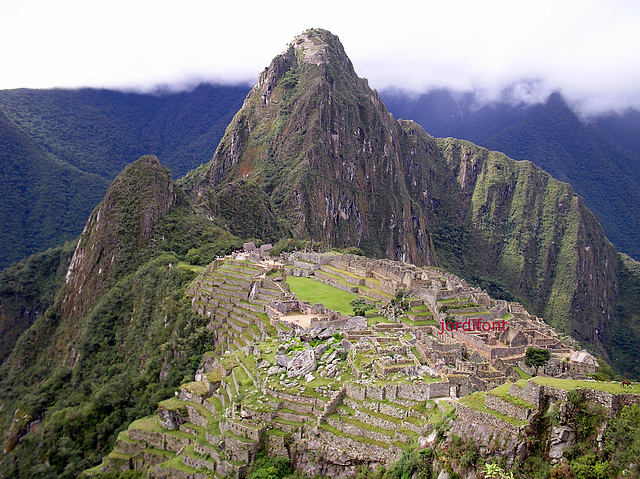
(312,154)
(337,167)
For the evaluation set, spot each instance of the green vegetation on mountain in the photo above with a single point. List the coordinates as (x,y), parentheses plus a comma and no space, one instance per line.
(336,167)
(60,149)
(27,290)
(312,155)
(120,335)
(598,156)
(44,201)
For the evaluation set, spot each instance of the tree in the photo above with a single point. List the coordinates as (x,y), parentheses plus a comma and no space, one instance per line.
(537,357)
(360,307)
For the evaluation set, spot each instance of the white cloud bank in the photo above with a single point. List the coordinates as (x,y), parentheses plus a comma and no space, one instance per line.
(587,49)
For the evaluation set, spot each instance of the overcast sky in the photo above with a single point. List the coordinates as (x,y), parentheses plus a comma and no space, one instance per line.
(587,49)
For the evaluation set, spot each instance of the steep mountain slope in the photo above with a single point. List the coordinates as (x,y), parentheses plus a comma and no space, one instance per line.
(337,167)
(43,200)
(598,157)
(321,145)
(27,289)
(120,335)
(605,175)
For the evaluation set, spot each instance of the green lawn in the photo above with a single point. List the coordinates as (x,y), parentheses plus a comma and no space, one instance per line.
(311,291)
(522,374)
(569,384)
(190,267)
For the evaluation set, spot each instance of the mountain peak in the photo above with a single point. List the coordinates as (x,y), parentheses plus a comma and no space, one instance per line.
(314,45)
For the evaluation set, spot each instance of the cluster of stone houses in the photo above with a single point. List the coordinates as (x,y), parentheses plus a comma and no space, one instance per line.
(486,353)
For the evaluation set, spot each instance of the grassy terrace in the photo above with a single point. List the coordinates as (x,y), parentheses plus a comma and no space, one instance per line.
(476,401)
(191,267)
(522,374)
(150,423)
(503,393)
(339,433)
(376,320)
(419,322)
(176,463)
(341,271)
(569,384)
(313,292)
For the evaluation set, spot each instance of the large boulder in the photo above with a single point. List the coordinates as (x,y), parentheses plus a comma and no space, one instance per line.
(302,362)
(282,360)
(357,323)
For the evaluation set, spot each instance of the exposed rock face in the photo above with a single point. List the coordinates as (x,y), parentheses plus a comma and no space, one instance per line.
(119,227)
(302,362)
(356,323)
(338,167)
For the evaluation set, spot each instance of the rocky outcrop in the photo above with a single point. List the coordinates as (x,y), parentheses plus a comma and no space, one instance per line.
(119,228)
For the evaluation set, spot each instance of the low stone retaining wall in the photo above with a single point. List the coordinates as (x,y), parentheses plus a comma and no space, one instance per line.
(467,414)
(303,400)
(195,417)
(325,278)
(126,447)
(243,430)
(151,438)
(376,421)
(508,408)
(205,449)
(343,275)
(198,462)
(360,451)
(275,445)
(240,450)
(354,430)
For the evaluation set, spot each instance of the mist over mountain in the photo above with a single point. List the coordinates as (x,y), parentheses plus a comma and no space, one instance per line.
(60,149)
(597,156)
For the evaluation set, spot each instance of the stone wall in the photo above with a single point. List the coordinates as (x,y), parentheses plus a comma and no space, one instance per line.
(151,438)
(392,392)
(361,452)
(506,407)
(198,462)
(249,431)
(325,278)
(240,450)
(354,430)
(275,445)
(467,414)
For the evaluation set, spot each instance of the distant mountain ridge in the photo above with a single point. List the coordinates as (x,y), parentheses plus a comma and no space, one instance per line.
(599,158)
(60,149)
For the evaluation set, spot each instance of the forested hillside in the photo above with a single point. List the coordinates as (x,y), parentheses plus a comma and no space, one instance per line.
(60,149)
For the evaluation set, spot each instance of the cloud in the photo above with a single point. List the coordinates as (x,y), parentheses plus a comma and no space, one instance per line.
(586,49)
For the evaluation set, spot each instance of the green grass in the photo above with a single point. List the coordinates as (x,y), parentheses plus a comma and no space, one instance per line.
(174,404)
(191,267)
(522,374)
(376,319)
(569,384)
(503,392)
(313,292)
(476,401)
(176,463)
(196,387)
